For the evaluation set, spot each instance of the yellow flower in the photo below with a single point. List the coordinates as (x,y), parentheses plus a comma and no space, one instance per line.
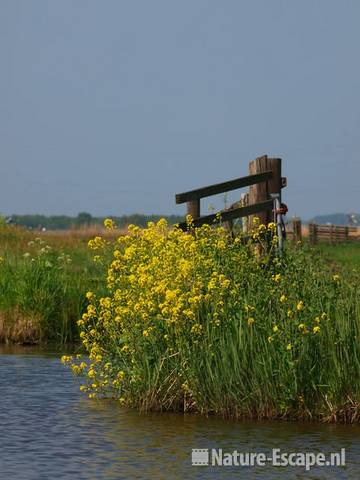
(336,278)
(290,314)
(105,302)
(249,308)
(270,339)
(96,243)
(283,298)
(250,320)
(189,219)
(109,224)
(300,306)
(196,329)
(276,278)
(301,326)
(66,359)
(275,328)
(146,333)
(289,346)
(89,295)
(275,240)
(316,329)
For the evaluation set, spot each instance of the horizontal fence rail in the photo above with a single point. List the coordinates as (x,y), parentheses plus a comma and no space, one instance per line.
(265,183)
(226,215)
(223,187)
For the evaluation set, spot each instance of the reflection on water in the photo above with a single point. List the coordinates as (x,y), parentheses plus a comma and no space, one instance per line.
(49,430)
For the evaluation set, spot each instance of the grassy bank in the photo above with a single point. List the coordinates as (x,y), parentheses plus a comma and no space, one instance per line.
(346,255)
(210,324)
(192,322)
(43,281)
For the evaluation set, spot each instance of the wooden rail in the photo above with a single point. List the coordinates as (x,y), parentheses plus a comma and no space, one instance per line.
(264,179)
(226,215)
(223,187)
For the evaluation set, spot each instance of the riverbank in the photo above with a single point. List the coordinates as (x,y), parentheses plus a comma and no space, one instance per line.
(43,281)
(45,276)
(191,323)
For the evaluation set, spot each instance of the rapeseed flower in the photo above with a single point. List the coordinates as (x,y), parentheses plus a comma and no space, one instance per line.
(300,306)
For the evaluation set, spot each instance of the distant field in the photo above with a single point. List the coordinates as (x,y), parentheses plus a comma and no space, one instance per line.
(347,255)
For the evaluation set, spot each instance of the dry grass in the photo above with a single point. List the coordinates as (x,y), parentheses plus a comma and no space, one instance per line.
(15,327)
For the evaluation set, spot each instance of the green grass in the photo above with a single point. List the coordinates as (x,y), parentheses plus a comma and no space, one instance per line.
(346,254)
(43,282)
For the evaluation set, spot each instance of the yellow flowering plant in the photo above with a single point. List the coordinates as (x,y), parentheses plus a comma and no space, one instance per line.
(201,309)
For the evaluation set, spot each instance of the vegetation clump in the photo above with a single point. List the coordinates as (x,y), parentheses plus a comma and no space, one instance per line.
(203,322)
(42,287)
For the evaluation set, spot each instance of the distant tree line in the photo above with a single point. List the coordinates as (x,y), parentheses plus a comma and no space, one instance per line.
(337,219)
(84,219)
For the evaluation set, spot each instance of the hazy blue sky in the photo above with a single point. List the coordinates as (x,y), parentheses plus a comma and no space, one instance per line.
(114,106)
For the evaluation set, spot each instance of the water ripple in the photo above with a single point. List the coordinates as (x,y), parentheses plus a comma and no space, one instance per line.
(49,430)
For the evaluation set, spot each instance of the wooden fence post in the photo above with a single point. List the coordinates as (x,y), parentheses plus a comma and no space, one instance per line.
(261,191)
(331,234)
(193,208)
(244,202)
(275,184)
(258,192)
(312,233)
(297,234)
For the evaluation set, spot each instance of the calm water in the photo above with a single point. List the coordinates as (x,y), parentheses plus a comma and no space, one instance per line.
(51,431)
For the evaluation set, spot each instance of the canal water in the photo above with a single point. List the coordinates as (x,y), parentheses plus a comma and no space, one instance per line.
(49,430)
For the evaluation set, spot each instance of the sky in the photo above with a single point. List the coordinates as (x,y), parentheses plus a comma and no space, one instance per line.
(111,107)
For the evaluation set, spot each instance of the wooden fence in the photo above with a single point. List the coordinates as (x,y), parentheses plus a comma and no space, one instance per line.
(321,233)
(331,233)
(265,182)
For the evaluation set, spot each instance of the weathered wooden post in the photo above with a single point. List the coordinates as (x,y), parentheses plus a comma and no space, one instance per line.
(297,234)
(275,183)
(312,233)
(193,208)
(262,191)
(244,202)
(258,192)
(331,234)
